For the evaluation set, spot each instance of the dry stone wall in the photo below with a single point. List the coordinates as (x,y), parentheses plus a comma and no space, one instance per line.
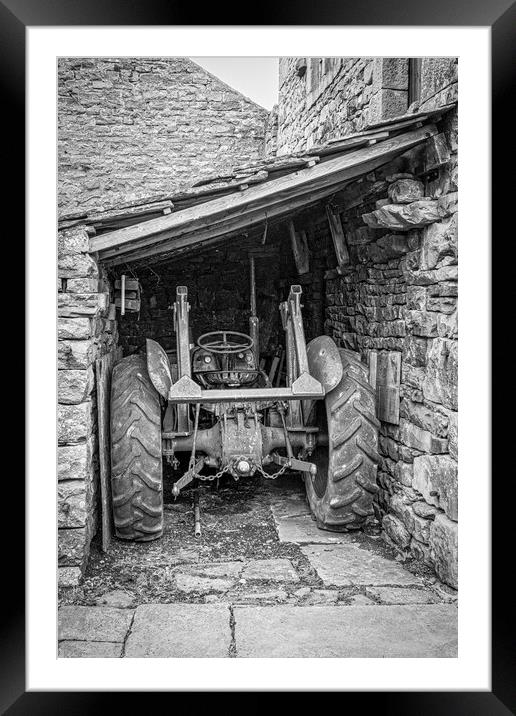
(400,294)
(132,128)
(85,332)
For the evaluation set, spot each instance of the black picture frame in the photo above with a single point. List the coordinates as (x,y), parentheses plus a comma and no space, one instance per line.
(500,15)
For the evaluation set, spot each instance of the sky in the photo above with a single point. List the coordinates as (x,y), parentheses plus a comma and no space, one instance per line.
(255,77)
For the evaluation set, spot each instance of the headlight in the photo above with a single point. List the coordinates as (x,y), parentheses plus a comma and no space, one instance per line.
(207,359)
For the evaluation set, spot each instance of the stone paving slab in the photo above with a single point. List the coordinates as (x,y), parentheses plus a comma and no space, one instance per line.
(180,630)
(345,565)
(277,570)
(347,631)
(303,530)
(90,649)
(77,623)
(403,595)
(191,583)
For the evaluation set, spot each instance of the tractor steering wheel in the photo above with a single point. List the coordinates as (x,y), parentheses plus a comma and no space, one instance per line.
(222,342)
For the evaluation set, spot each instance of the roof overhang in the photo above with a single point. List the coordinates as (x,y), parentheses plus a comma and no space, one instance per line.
(159,238)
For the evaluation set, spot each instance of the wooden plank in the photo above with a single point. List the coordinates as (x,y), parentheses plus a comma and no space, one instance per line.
(103,371)
(356,140)
(300,249)
(131,284)
(209,225)
(388,375)
(129,304)
(337,235)
(373,368)
(119,214)
(347,166)
(212,234)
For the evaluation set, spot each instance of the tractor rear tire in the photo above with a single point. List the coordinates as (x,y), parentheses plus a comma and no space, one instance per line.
(341,493)
(136,459)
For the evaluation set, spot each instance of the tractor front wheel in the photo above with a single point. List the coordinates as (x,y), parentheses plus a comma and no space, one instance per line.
(341,493)
(136,461)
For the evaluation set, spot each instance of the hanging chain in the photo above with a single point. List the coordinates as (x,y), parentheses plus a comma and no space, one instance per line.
(259,468)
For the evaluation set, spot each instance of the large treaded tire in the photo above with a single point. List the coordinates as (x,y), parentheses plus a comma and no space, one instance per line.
(136,460)
(341,494)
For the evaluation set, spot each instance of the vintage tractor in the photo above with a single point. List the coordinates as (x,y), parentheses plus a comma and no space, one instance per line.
(215,405)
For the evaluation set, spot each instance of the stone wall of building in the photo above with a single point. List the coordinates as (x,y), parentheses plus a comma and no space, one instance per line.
(131,128)
(324,98)
(399,294)
(85,332)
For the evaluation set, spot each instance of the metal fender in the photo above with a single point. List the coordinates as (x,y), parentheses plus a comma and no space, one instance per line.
(324,362)
(158,368)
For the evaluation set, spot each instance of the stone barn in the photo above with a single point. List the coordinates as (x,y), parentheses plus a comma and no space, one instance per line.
(169,177)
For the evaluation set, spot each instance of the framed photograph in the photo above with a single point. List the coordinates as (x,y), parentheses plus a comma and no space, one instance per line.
(252,402)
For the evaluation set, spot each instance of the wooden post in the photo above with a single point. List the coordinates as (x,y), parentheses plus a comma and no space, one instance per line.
(300,248)
(337,235)
(384,377)
(122,296)
(103,371)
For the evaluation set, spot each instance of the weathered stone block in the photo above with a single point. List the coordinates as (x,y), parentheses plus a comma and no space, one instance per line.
(76,265)
(404,191)
(444,549)
(440,383)
(80,304)
(403,217)
(412,376)
(449,203)
(415,437)
(420,551)
(385,104)
(425,416)
(442,304)
(73,328)
(423,509)
(436,74)
(426,278)
(72,504)
(401,506)
(74,422)
(73,355)
(447,326)
(435,477)
(390,73)
(414,350)
(72,547)
(75,462)
(444,289)
(404,473)
(416,298)
(396,530)
(73,241)
(75,386)
(82,285)
(453,434)
(422,323)
(69,576)
(439,244)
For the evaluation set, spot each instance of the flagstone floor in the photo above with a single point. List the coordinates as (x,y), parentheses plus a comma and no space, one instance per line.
(262,581)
